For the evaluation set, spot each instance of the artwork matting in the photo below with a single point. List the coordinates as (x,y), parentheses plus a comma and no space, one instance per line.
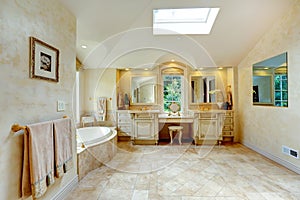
(44,60)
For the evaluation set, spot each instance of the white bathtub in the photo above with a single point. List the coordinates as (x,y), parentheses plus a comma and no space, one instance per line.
(90,136)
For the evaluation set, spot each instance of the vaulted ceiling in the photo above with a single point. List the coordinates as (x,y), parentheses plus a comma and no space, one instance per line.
(118,33)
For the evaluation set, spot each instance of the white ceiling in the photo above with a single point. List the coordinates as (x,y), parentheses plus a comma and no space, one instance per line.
(118,33)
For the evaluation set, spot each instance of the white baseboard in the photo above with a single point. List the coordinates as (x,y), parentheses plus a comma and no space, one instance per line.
(276,159)
(66,189)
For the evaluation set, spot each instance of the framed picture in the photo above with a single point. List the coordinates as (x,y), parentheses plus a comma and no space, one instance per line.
(44,60)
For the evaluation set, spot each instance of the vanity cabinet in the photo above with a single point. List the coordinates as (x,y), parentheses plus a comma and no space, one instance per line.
(209,130)
(214,126)
(124,124)
(145,128)
(141,126)
(228,125)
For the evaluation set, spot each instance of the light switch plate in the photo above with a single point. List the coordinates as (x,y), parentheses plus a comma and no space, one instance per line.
(61,106)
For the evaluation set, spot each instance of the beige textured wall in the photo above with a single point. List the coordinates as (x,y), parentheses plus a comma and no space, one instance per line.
(24,100)
(99,83)
(268,128)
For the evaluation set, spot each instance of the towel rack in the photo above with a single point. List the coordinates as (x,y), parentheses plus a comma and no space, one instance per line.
(17,127)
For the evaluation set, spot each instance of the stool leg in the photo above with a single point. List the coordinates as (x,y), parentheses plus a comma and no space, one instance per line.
(180,136)
(170,132)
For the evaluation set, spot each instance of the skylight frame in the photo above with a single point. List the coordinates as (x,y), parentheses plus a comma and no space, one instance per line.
(201,24)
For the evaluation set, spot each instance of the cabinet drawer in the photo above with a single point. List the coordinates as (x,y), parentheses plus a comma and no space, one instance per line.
(124,120)
(228,120)
(208,115)
(124,114)
(227,127)
(125,129)
(143,116)
(228,114)
(227,133)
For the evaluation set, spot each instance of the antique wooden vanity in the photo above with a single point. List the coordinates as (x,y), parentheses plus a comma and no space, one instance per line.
(201,127)
(200,95)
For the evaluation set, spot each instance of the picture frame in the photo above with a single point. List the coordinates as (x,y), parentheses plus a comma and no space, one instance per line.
(44,60)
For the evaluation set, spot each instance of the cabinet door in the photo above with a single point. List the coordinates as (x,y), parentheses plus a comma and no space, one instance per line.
(124,124)
(124,130)
(144,129)
(208,129)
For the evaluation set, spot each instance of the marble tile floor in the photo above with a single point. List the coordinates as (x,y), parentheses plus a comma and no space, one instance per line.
(188,172)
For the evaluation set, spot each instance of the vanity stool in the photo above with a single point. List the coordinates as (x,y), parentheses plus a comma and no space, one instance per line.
(178,129)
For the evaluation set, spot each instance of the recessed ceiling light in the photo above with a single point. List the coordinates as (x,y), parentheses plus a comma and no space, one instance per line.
(220,67)
(146,69)
(83,46)
(172,60)
(126,69)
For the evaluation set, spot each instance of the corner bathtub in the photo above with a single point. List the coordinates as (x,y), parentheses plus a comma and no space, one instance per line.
(95,135)
(99,147)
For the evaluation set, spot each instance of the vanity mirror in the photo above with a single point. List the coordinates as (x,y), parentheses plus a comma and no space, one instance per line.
(143,90)
(270,81)
(201,89)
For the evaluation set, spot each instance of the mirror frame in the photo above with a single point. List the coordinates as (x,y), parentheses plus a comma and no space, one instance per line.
(270,65)
(132,92)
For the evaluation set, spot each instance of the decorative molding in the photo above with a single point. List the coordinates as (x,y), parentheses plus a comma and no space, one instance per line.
(276,159)
(66,189)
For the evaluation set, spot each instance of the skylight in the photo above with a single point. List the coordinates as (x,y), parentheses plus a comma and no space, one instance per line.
(184,21)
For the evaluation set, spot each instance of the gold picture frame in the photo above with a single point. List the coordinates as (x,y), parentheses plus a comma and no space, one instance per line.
(44,60)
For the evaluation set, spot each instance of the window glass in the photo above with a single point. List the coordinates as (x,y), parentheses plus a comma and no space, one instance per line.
(172,90)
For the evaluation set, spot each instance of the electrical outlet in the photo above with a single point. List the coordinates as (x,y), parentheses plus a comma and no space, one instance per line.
(61,106)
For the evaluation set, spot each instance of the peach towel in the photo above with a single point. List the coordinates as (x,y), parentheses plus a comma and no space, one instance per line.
(38,161)
(62,146)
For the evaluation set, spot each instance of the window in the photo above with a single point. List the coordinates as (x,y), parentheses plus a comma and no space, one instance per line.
(172,85)
(281,90)
(184,21)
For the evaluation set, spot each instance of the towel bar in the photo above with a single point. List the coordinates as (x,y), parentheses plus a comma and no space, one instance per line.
(17,127)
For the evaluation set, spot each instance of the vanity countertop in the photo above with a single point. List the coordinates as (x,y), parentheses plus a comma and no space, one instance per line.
(210,111)
(138,111)
(165,115)
(181,116)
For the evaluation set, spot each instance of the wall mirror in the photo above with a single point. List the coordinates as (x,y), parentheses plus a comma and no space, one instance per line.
(270,81)
(143,89)
(202,88)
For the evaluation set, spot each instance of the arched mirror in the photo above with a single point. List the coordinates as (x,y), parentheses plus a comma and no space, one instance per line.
(270,81)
